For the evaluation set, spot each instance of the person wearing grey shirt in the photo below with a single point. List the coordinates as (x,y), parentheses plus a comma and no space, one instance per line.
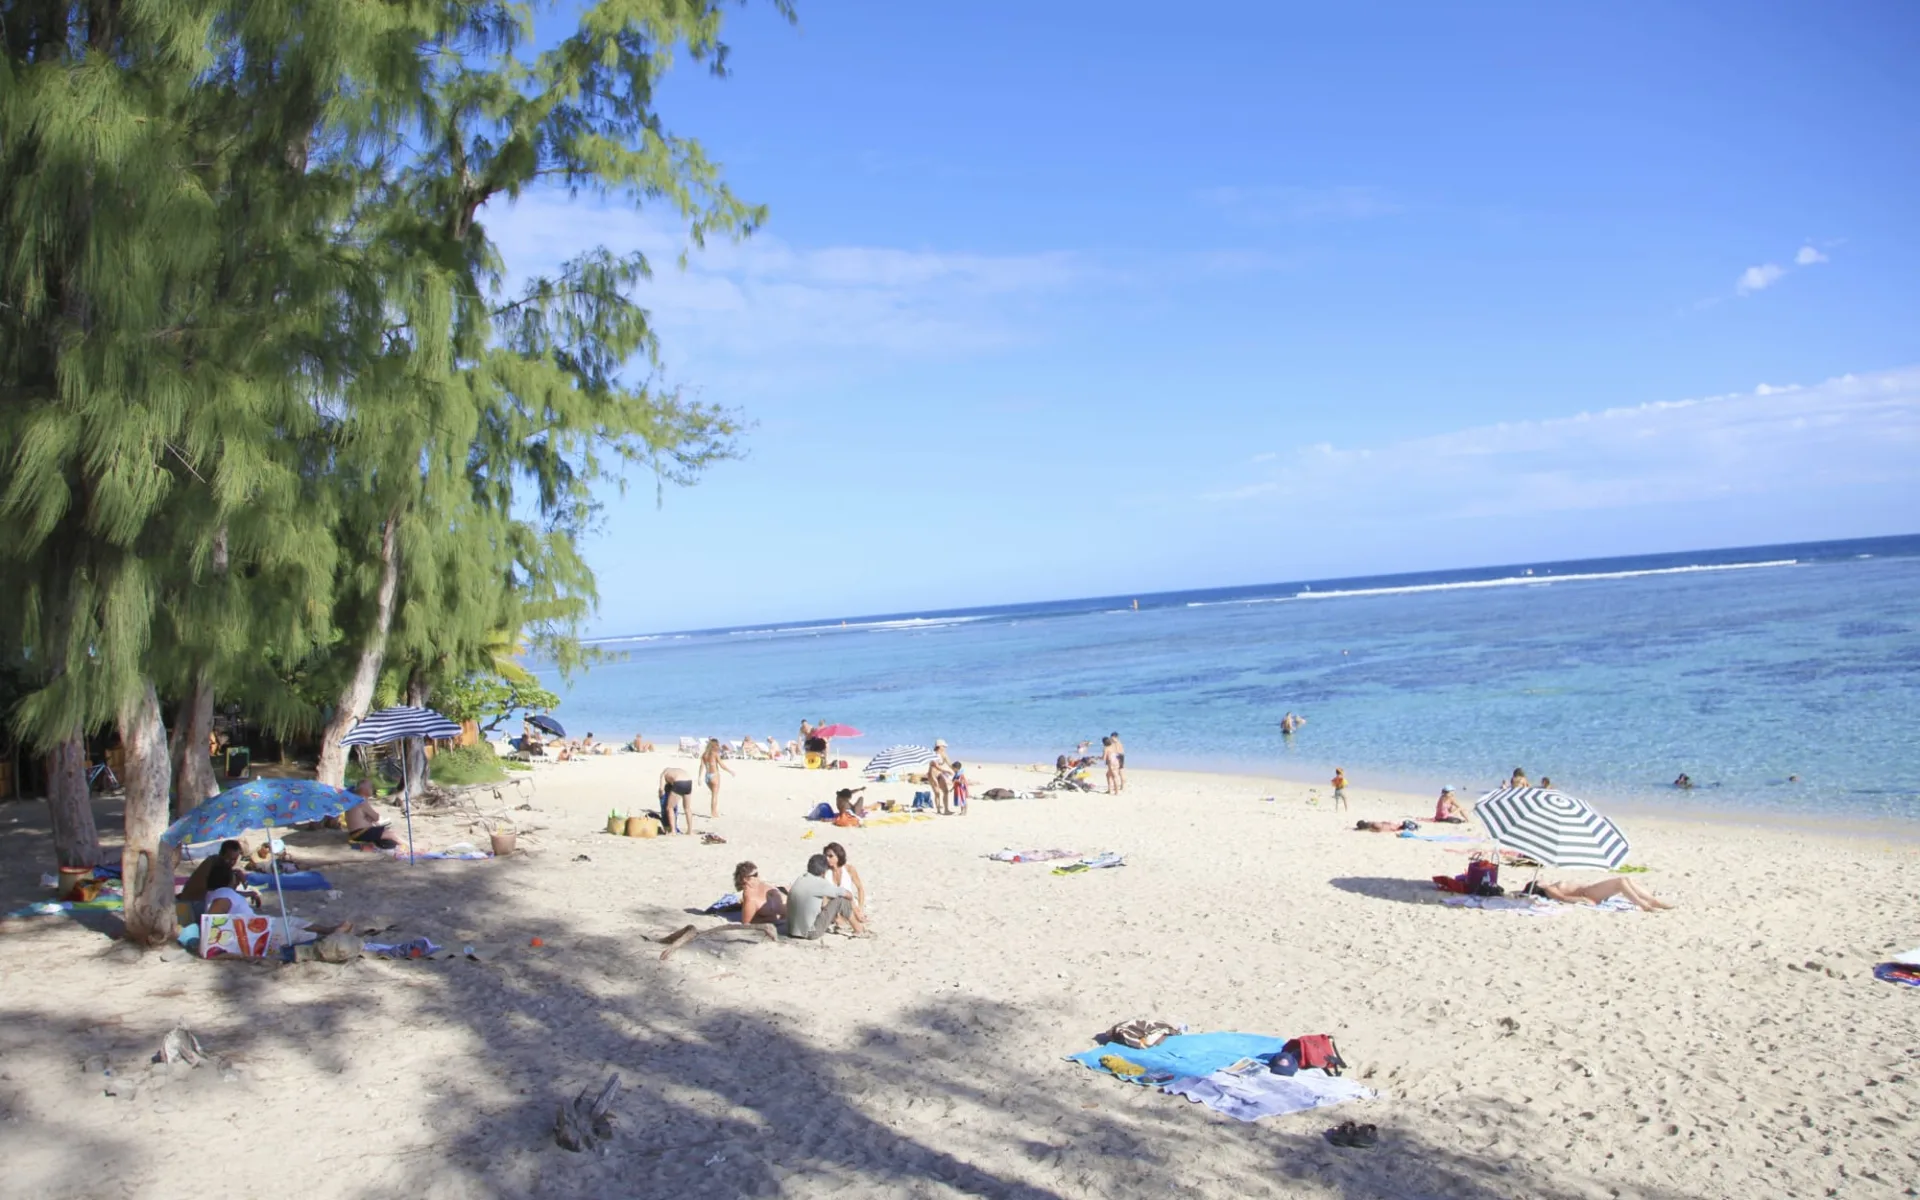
(815,903)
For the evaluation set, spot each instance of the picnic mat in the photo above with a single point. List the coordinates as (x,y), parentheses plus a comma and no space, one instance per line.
(1227,1072)
(1024,856)
(291,881)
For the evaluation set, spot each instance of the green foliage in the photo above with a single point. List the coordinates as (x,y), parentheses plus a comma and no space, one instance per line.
(250,314)
(457,766)
(490,698)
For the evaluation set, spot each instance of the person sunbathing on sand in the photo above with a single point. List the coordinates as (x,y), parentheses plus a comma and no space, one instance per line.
(760,901)
(1595,892)
(1408,825)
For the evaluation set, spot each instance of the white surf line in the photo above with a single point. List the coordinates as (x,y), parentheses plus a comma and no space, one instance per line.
(1522,580)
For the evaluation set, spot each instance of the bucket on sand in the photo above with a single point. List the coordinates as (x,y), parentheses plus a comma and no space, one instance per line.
(616,824)
(504,840)
(71,878)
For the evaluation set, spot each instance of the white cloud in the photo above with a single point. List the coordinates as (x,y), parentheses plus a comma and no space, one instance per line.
(764,307)
(1808,256)
(1755,279)
(1847,431)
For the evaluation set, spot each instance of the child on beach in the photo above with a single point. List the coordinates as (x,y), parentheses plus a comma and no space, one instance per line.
(1339,788)
(960,788)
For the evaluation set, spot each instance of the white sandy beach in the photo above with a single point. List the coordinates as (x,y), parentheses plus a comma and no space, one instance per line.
(1738,1046)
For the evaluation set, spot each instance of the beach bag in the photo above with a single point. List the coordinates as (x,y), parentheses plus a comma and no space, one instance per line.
(1314,1051)
(1482,874)
(1139,1033)
(821,812)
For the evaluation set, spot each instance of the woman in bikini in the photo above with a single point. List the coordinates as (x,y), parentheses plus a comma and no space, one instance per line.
(1598,890)
(711,765)
(760,902)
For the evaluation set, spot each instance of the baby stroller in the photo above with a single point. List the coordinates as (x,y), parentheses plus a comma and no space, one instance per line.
(1068,776)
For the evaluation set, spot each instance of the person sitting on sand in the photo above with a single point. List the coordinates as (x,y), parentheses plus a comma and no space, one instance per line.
(1518,778)
(193,893)
(676,791)
(1595,892)
(223,891)
(641,745)
(1448,809)
(1407,825)
(364,827)
(753,749)
(760,902)
(815,904)
(845,877)
(844,815)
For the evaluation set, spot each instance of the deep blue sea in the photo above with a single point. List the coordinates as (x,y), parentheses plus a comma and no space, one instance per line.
(1740,667)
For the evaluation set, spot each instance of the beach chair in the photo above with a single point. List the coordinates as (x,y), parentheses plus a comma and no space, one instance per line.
(690,745)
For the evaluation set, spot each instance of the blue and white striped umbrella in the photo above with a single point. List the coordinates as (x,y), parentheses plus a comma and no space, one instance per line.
(897,758)
(400,721)
(1552,828)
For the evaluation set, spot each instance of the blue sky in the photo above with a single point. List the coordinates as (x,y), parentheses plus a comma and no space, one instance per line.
(1074,299)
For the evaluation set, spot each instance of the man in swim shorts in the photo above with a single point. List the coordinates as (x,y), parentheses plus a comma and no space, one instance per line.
(676,791)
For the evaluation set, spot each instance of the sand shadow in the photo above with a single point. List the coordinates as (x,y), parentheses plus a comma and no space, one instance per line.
(1407,891)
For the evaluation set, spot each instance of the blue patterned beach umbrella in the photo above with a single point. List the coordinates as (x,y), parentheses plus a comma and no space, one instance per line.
(397,723)
(258,804)
(1552,828)
(261,804)
(897,758)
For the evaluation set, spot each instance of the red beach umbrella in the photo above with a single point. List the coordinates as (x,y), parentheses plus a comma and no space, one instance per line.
(837,731)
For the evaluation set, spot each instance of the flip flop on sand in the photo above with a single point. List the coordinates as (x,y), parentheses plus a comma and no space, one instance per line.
(1358,1137)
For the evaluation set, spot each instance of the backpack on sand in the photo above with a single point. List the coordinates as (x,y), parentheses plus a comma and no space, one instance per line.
(1315,1050)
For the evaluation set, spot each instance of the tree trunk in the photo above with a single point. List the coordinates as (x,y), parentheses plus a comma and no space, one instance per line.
(146,867)
(76,843)
(193,779)
(416,748)
(332,767)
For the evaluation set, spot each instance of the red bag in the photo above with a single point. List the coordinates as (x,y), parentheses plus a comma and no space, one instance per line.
(1316,1050)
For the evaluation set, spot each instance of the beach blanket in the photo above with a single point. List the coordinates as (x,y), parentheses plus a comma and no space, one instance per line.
(1535,906)
(1441,837)
(441,855)
(1248,1091)
(1897,972)
(291,881)
(896,818)
(413,948)
(55,908)
(1186,1055)
(1096,863)
(1020,856)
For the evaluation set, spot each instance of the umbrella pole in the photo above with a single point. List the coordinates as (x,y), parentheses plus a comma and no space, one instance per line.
(273,863)
(406,796)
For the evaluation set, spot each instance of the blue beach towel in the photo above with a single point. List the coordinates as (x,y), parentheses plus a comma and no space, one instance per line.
(1186,1054)
(291,881)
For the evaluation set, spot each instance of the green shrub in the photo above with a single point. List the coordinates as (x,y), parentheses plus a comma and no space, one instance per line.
(460,765)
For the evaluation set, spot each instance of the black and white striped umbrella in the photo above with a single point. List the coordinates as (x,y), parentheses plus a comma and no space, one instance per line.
(400,721)
(897,758)
(1552,828)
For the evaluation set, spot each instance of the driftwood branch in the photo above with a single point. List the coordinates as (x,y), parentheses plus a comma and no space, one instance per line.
(687,934)
(584,1124)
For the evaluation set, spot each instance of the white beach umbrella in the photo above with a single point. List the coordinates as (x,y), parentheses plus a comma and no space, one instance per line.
(1552,828)
(897,758)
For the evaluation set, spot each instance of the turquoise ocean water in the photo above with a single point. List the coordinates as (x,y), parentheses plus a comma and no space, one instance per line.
(1740,667)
